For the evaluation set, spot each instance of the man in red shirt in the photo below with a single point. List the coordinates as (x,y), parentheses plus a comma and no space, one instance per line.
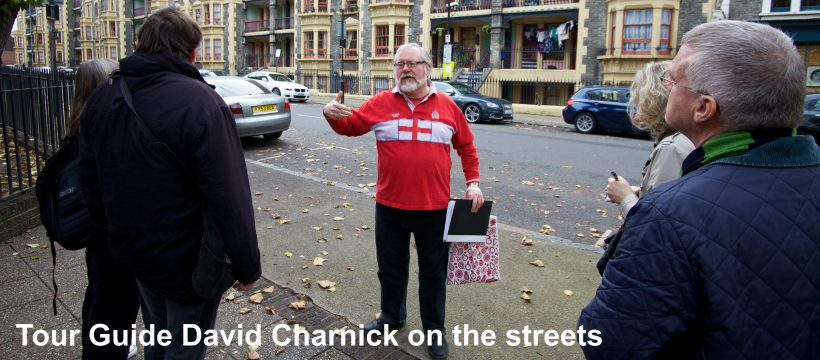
(414,126)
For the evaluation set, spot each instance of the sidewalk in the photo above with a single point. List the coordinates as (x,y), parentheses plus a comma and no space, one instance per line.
(26,294)
(357,100)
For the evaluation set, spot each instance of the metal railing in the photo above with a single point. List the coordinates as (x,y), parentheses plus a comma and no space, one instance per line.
(34,104)
(283,23)
(257,25)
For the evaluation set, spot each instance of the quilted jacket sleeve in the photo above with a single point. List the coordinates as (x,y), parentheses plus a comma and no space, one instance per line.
(646,303)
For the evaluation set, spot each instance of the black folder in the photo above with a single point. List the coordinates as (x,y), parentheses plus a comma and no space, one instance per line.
(462,225)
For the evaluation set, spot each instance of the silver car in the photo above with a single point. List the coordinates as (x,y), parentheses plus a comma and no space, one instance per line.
(255,109)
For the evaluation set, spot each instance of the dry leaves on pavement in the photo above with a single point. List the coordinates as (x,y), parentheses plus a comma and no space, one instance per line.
(256,298)
(538,263)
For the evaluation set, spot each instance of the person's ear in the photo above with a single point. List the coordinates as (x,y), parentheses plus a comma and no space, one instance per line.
(707,108)
(192,56)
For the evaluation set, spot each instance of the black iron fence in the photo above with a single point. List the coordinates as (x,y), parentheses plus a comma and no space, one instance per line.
(34,105)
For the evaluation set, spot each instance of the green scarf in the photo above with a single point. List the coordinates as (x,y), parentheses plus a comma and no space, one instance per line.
(731,143)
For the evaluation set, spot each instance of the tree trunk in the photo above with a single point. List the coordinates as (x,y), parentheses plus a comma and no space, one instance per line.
(6,20)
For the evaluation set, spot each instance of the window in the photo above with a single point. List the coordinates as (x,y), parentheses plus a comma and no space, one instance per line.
(199,53)
(781,5)
(308,6)
(308,45)
(322,7)
(806,5)
(321,50)
(112,53)
(198,16)
(20,42)
(612,27)
(39,39)
(20,59)
(217,14)
(666,30)
(351,42)
(382,41)
(637,31)
(218,49)
(207,49)
(207,11)
(59,56)
(398,36)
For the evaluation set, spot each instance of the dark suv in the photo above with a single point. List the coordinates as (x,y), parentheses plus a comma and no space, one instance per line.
(600,108)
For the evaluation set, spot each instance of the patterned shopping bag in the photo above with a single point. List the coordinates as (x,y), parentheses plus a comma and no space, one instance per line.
(475,261)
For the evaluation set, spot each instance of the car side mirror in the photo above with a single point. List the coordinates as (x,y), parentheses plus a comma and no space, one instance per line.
(450,92)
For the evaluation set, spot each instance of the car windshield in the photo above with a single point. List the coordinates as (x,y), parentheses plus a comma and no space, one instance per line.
(464,89)
(278,77)
(239,88)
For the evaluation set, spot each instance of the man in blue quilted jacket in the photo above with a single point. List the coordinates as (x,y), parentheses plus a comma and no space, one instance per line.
(723,263)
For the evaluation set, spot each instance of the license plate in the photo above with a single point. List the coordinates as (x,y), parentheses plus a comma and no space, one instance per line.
(508,111)
(263,108)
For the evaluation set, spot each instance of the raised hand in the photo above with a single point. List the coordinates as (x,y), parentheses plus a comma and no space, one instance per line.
(335,110)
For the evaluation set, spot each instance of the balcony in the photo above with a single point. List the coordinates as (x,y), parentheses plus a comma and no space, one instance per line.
(440,6)
(283,23)
(257,25)
(522,3)
(77,4)
(140,11)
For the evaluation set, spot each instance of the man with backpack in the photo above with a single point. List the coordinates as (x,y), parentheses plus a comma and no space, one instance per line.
(153,206)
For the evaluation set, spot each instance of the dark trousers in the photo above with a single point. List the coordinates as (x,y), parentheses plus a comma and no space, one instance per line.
(393,229)
(171,315)
(111,298)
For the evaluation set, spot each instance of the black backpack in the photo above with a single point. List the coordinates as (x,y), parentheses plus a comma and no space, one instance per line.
(63,208)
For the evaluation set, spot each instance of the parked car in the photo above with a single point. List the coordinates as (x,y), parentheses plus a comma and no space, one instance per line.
(600,108)
(476,107)
(280,84)
(255,109)
(206,73)
(811,117)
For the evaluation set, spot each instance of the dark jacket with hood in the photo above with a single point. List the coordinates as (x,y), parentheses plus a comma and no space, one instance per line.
(152,208)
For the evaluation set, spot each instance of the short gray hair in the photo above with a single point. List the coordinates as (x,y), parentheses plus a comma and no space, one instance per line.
(425,55)
(753,70)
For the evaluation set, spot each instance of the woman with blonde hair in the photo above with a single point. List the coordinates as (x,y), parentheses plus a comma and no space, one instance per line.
(112,297)
(647,107)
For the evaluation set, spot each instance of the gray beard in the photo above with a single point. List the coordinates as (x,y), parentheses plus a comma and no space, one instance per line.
(410,86)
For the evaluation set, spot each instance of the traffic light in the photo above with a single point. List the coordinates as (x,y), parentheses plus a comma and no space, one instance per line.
(53,12)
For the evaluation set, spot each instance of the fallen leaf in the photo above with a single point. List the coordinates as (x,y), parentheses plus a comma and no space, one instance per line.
(270,227)
(33,246)
(231,296)
(278,351)
(15,254)
(317,228)
(270,309)
(256,298)
(283,221)
(35,257)
(365,227)
(319,261)
(258,193)
(288,254)
(275,216)
(244,310)
(340,237)
(351,268)
(578,185)
(538,263)
(269,290)
(526,241)
(526,297)
(306,282)
(321,240)
(579,235)
(297,305)
(251,354)
(304,267)
(326,284)
(568,292)
(526,290)
(305,211)
(527,182)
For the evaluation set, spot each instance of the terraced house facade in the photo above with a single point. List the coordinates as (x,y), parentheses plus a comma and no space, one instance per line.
(532,52)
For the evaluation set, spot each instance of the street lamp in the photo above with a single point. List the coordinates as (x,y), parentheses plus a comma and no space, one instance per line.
(341,30)
(450,6)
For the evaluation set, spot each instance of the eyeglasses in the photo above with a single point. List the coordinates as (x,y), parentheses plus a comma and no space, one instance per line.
(669,82)
(410,64)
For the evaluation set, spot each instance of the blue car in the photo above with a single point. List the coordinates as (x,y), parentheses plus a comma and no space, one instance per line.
(600,108)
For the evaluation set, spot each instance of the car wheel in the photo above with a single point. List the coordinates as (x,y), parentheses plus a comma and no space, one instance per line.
(585,123)
(276,91)
(273,136)
(473,113)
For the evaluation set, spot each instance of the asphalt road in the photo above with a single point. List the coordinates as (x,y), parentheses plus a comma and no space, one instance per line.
(537,175)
